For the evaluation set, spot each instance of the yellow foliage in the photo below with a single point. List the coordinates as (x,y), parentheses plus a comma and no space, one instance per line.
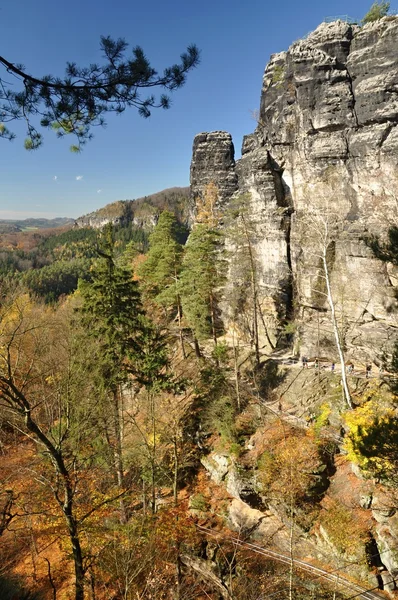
(365,444)
(288,468)
(323,418)
(207,210)
(347,529)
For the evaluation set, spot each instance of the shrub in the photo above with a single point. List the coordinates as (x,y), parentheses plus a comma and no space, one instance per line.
(199,502)
(291,468)
(322,418)
(372,442)
(377,11)
(347,529)
(278,75)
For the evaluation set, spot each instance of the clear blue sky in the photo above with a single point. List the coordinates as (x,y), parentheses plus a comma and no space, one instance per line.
(133,157)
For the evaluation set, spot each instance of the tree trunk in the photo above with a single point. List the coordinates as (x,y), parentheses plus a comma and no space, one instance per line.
(117,451)
(346,391)
(176,467)
(236,372)
(179,316)
(77,557)
(213,320)
(153,452)
(253,283)
(197,348)
(260,312)
(67,504)
(255,319)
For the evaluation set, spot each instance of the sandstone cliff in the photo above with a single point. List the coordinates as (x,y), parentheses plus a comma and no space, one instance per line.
(326,145)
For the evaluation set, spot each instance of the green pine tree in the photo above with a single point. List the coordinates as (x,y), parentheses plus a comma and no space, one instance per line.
(112,311)
(161,271)
(112,314)
(242,233)
(203,274)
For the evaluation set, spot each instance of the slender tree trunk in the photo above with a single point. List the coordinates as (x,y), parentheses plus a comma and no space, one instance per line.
(213,320)
(143,497)
(153,452)
(236,371)
(177,594)
(260,312)
(117,451)
(291,535)
(179,316)
(346,391)
(197,347)
(253,283)
(255,319)
(291,567)
(50,579)
(176,467)
(77,555)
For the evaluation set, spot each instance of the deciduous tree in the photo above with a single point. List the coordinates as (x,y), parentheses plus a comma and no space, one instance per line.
(44,375)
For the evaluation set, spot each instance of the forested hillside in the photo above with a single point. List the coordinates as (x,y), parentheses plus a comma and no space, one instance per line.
(50,261)
(144,444)
(198,391)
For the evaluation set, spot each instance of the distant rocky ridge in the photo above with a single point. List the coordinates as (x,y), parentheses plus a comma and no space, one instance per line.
(142,212)
(11,226)
(327,135)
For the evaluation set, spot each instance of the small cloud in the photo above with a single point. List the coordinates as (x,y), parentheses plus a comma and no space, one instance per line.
(55,177)
(99,191)
(79,177)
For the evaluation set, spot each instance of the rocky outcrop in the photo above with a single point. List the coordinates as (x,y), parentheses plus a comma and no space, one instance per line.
(325,148)
(213,162)
(142,213)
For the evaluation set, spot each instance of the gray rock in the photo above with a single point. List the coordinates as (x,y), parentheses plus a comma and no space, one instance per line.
(365,501)
(213,162)
(217,465)
(388,581)
(326,141)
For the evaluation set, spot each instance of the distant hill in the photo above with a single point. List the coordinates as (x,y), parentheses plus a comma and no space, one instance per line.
(13,226)
(142,212)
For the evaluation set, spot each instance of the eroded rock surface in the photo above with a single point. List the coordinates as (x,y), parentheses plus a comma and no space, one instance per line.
(326,145)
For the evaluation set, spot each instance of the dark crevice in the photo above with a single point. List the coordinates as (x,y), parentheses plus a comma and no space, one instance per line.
(351,83)
(386,133)
(374,560)
(284,200)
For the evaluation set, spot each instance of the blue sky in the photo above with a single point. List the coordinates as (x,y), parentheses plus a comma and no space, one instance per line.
(133,157)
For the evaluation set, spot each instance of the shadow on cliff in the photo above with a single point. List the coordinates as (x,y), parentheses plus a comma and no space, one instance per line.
(267,377)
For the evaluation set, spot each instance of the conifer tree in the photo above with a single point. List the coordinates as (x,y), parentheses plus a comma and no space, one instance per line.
(79,101)
(112,309)
(204,268)
(201,279)
(112,314)
(161,270)
(241,231)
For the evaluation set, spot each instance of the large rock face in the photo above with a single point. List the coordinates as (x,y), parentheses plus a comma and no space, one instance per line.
(324,154)
(213,162)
